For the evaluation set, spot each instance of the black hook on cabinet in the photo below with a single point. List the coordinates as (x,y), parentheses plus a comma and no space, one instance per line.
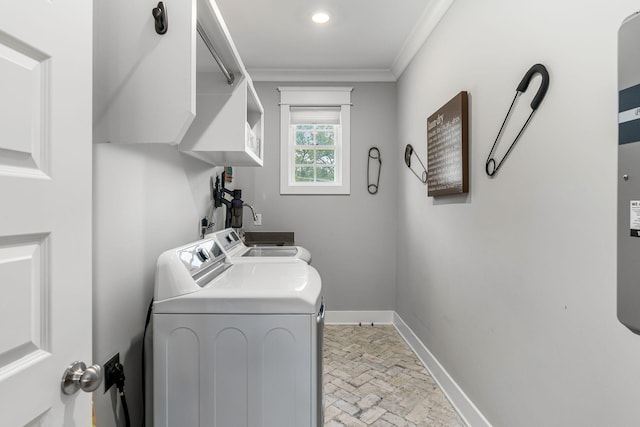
(160,16)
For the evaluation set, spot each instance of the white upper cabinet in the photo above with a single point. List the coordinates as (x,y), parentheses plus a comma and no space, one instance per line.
(144,82)
(174,88)
(228,128)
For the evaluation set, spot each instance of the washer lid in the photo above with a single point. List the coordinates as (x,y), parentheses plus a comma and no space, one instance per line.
(258,288)
(237,252)
(271,251)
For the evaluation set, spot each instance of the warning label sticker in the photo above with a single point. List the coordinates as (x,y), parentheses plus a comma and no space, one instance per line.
(634,218)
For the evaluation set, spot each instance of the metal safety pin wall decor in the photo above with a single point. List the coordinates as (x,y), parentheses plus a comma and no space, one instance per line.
(408,151)
(491,167)
(374,154)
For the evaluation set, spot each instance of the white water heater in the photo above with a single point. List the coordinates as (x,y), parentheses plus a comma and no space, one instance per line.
(629,173)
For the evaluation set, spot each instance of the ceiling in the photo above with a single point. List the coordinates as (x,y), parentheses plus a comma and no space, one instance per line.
(365,40)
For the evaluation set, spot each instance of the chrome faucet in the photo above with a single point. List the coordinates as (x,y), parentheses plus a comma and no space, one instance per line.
(253,212)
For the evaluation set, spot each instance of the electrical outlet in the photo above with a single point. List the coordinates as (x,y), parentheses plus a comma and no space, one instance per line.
(109,369)
(258,220)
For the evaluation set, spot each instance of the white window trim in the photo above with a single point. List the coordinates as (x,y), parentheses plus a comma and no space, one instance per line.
(315,97)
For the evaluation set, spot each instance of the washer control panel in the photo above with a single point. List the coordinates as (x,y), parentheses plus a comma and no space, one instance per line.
(201,255)
(230,240)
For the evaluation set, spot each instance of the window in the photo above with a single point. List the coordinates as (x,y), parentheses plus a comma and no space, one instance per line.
(314,146)
(315,140)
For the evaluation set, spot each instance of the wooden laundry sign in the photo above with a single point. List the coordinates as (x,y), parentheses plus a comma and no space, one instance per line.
(448,148)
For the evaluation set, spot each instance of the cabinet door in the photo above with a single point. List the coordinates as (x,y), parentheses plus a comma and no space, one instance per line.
(144,82)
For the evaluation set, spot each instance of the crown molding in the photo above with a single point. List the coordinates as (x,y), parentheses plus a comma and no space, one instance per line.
(420,33)
(334,75)
(428,21)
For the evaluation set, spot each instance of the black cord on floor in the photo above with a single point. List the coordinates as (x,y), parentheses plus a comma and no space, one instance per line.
(144,364)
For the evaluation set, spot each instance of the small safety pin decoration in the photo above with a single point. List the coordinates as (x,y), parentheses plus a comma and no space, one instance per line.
(160,16)
(491,167)
(408,151)
(374,154)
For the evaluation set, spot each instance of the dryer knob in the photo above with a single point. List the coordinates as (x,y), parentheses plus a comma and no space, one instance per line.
(202,255)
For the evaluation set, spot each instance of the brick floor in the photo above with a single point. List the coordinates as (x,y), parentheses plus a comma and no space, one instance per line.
(373,378)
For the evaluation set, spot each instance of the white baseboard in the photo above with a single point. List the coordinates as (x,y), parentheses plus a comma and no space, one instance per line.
(334,317)
(460,401)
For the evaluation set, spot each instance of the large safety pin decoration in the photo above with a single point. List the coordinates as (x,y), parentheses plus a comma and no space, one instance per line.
(491,167)
(408,151)
(374,155)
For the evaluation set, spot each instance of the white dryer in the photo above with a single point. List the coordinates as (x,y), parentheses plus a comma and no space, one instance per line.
(238,252)
(236,345)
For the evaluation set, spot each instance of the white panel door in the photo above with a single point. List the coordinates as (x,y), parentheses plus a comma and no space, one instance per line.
(45,208)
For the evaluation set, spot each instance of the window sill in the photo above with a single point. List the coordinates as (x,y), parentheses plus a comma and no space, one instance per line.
(315,189)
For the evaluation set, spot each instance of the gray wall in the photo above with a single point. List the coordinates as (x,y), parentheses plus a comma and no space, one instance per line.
(351,238)
(513,287)
(147,199)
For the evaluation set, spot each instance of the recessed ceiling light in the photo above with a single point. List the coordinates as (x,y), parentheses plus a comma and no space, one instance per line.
(320,18)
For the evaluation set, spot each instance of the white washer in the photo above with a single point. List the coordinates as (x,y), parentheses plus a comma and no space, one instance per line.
(236,345)
(238,252)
